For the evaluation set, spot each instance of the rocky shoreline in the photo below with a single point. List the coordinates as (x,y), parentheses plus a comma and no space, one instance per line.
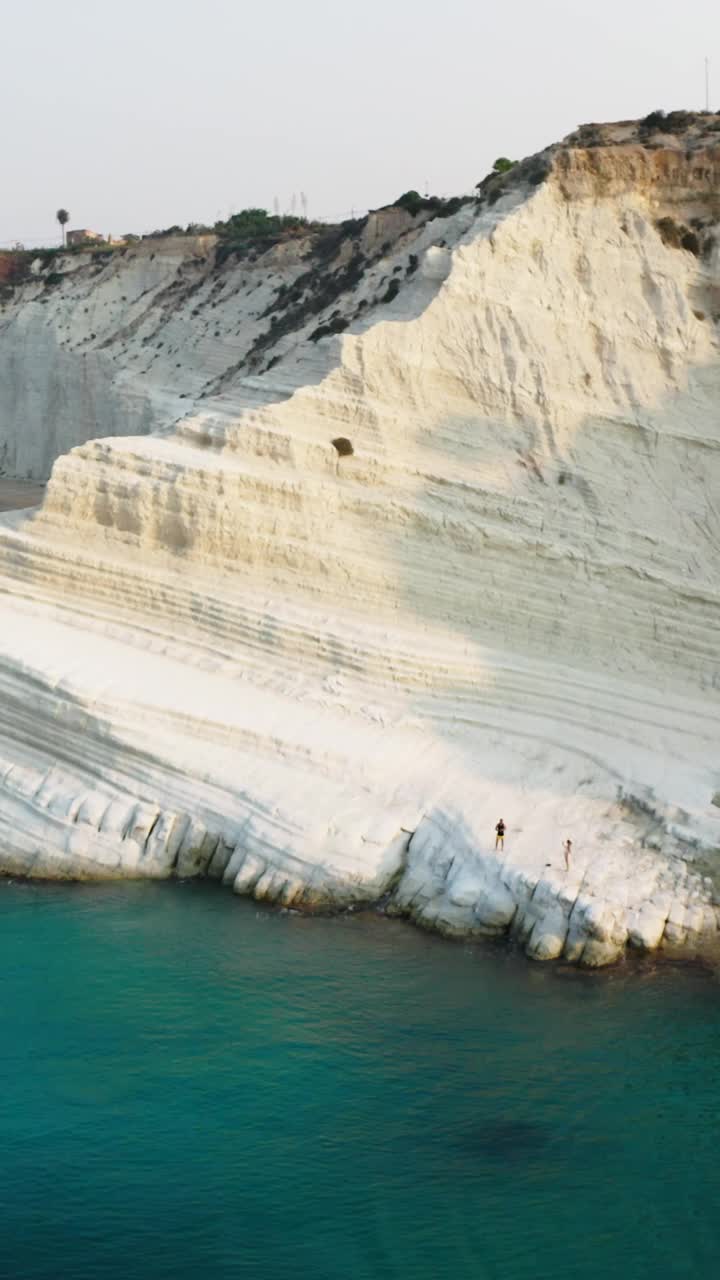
(594,939)
(431,876)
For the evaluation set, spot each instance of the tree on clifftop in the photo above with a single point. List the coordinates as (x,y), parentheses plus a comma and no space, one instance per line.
(63,217)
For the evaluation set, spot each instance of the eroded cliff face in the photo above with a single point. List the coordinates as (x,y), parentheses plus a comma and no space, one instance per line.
(666,178)
(67,368)
(122,342)
(319,673)
(537,408)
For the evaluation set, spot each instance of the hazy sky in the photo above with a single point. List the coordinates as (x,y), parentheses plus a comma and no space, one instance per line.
(142,113)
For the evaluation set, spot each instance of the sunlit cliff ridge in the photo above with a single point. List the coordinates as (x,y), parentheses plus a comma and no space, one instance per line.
(322,671)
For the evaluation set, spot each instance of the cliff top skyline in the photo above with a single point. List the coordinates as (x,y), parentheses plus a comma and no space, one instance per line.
(139,121)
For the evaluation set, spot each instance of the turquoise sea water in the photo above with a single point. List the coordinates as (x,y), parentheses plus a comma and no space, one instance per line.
(193,1087)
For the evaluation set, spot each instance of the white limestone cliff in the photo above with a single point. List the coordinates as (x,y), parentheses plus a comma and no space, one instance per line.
(229,650)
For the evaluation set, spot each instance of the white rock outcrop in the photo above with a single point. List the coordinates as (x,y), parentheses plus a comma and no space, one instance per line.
(226,649)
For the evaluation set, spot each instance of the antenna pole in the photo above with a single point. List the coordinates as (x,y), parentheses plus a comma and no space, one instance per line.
(707,84)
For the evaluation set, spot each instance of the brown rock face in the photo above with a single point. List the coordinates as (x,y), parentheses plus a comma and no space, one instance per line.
(666,174)
(671,159)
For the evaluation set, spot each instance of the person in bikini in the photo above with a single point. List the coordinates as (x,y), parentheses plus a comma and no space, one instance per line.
(500,835)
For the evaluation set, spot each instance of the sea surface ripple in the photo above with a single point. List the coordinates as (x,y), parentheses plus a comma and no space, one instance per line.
(194,1087)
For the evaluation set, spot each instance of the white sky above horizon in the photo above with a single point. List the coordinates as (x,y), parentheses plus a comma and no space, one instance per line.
(142,115)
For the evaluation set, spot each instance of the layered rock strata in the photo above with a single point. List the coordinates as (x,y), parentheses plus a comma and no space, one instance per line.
(322,671)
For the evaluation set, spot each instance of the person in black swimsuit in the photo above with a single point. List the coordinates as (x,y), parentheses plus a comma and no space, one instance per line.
(500,834)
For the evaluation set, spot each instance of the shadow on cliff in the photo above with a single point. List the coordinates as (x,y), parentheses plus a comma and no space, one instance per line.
(568,565)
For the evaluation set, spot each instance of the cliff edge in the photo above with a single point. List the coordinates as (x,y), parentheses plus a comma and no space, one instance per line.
(424,532)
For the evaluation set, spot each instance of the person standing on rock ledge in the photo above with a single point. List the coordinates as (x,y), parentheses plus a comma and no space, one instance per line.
(500,834)
(567,850)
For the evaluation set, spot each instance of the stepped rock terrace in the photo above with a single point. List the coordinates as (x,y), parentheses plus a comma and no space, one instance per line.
(320,674)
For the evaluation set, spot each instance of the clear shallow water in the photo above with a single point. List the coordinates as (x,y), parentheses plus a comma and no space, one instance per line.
(192,1087)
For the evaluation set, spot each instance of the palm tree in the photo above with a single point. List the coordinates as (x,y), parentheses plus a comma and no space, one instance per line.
(62,216)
